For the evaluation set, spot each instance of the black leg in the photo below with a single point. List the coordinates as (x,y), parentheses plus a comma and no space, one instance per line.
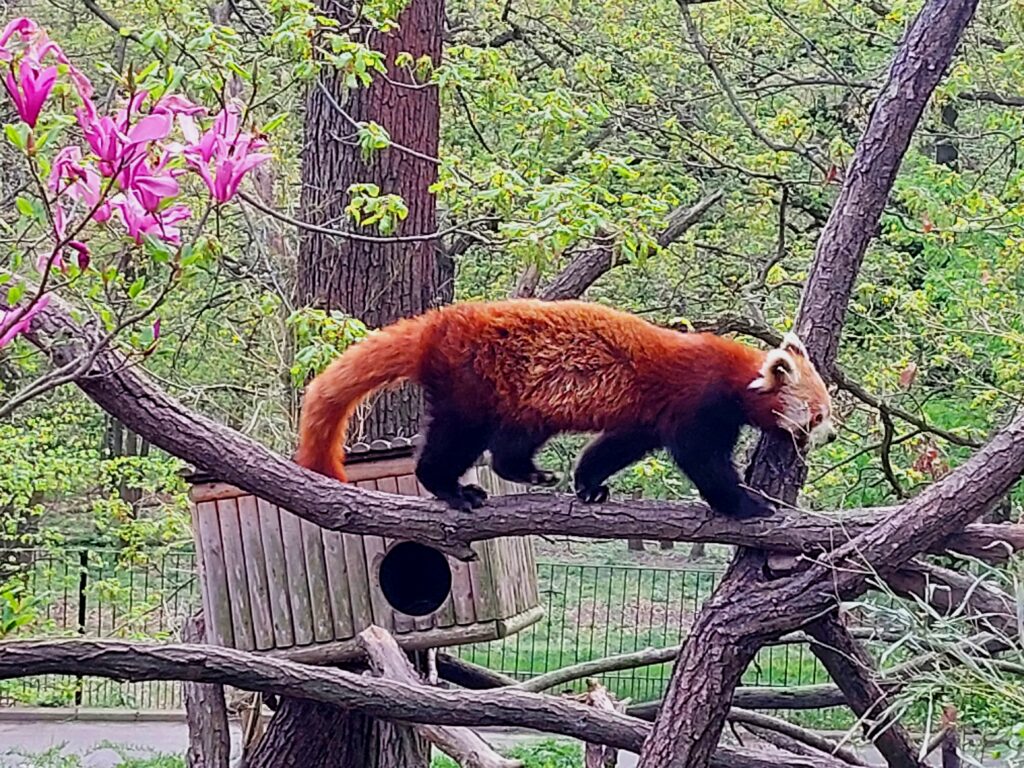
(709,465)
(512,451)
(605,456)
(452,445)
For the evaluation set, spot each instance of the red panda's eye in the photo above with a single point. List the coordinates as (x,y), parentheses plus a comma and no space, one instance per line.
(817,419)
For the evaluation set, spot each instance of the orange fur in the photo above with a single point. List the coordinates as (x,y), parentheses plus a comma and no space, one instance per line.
(554,367)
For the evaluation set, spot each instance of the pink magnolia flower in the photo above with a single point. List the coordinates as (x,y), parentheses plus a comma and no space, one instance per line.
(82,183)
(29,87)
(35,46)
(176,104)
(15,321)
(141,222)
(83,254)
(23,28)
(117,141)
(223,155)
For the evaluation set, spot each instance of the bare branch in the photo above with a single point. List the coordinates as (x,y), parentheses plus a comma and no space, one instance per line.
(802,735)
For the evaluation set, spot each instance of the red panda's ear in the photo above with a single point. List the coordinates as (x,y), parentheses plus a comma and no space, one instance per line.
(791,343)
(779,368)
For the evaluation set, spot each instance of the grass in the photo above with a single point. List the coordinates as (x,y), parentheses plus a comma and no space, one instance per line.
(55,757)
(542,754)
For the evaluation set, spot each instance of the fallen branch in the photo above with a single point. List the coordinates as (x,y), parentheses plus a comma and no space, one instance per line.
(804,736)
(599,755)
(461,744)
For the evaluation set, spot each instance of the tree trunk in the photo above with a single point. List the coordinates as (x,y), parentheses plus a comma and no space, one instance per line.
(715,654)
(314,735)
(376,282)
(209,737)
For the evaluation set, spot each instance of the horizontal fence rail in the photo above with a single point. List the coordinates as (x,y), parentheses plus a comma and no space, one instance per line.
(591,611)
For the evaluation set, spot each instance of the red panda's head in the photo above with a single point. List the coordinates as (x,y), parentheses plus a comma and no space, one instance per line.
(803,404)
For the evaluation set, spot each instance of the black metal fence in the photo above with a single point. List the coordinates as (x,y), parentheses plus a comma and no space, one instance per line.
(591,611)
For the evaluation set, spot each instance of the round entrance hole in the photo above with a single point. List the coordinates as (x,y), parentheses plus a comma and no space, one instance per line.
(415,579)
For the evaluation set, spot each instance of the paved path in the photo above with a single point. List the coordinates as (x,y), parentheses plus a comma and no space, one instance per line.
(102,743)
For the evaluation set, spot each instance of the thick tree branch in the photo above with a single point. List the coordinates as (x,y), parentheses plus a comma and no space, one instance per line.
(380,698)
(851,668)
(125,392)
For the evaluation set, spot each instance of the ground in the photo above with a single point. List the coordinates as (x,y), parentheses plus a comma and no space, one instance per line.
(104,744)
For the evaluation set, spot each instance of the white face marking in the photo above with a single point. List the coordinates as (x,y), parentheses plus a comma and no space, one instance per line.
(822,433)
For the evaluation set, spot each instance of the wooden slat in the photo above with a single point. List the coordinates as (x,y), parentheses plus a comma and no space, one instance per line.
(484,596)
(238,580)
(383,615)
(532,588)
(371,470)
(338,584)
(462,593)
(316,575)
(358,582)
(407,487)
(214,492)
(256,568)
(403,622)
(277,574)
(219,626)
(204,581)
(298,587)
(506,575)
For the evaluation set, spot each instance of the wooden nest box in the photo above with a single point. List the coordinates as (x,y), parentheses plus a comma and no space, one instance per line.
(271,581)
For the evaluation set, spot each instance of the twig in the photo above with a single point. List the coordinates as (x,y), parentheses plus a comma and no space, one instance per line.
(309,227)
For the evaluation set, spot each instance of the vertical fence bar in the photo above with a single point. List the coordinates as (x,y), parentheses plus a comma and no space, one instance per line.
(83,583)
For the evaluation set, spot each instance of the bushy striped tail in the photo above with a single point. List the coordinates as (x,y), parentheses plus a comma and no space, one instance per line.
(385,357)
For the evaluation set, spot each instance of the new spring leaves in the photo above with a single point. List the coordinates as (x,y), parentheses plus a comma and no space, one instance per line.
(125,173)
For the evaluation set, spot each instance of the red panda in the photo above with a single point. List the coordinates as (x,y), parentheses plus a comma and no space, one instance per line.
(506,376)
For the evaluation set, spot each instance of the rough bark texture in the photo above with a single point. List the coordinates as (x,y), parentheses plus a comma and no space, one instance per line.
(461,744)
(209,738)
(376,282)
(720,646)
(373,697)
(340,739)
(850,666)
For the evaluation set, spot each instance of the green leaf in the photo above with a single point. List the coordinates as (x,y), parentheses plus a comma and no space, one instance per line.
(17,134)
(15,292)
(136,288)
(25,207)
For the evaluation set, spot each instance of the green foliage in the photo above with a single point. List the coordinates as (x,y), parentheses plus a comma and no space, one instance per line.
(19,609)
(368,207)
(320,337)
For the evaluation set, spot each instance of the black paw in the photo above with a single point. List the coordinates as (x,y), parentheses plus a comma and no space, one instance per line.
(596,495)
(749,507)
(466,498)
(474,494)
(543,478)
